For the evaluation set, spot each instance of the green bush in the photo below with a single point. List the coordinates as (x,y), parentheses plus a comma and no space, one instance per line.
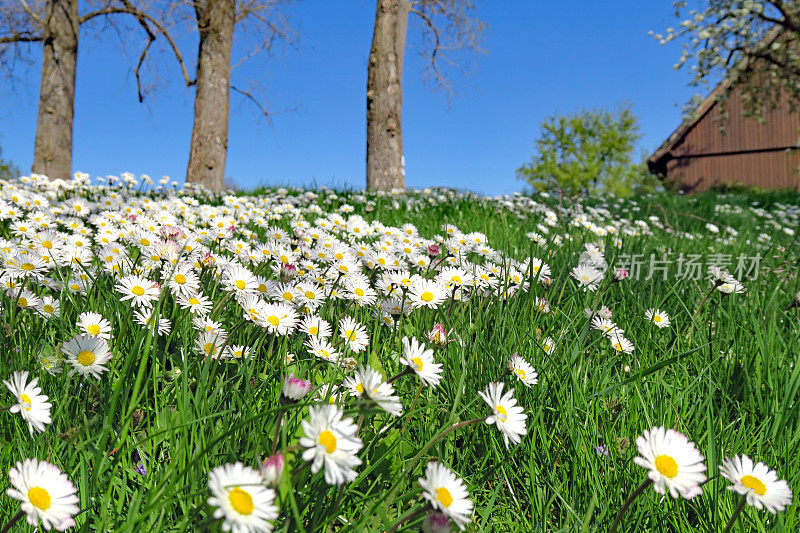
(588,151)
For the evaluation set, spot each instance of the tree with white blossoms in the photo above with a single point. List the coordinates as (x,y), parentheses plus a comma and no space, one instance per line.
(752,44)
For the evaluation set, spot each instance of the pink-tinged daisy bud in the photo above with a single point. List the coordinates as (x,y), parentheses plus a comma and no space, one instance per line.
(433,250)
(438,335)
(272,469)
(620,274)
(294,389)
(436,522)
(172,233)
(288,272)
(605,312)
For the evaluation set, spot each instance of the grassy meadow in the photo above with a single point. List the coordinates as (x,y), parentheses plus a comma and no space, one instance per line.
(138,442)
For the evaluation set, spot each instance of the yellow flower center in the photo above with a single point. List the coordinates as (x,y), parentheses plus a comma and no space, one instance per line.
(274,321)
(359,291)
(288,296)
(194,301)
(754,484)
(27,266)
(328,439)
(48,308)
(350,335)
(94,330)
(418,363)
(180,278)
(360,388)
(502,414)
(310,295)
(23,302)
(27,401)
(240,284)
(313,330)
(241,501)
(521,373)
(443,495)
(657,318)
(39,497)
(86,357)
(617,346)
(427,296)
(209,348)
(456,279)
(47,244)
(667,466)
(137,290)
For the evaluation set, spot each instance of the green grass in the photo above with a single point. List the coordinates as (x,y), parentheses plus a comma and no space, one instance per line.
(725,373)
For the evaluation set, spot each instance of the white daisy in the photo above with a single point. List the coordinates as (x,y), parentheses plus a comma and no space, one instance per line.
(371,383)
(672,461)
(242,499)
(87,355)
(758,483)
(31,404)
(46,493)
(420,360)
(140,291)
(94,325)
(523,371)
(330,441)
(354,334)
(657,317)
(447,493)
(507,415)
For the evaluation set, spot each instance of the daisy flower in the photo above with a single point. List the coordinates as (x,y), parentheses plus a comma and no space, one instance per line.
(197,303)
(144,318)
(330,441)
(315,326)
(587,276)
(49,308)
(370,382)
(523,371)
(426,293)
(447,493)
(604,325)
(237,351)
(672,461)
(241,499)
(323,349)
(140,291)
(94,325)
(354,334)
(31,404)
(759,484)
(46,493)
(657,317)
(295,389)
(87,355)
(210,343)
(508,416)
(280,319)
(619,343)
(548,345)
(420,360)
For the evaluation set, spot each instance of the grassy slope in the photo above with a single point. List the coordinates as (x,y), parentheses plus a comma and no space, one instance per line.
(745,402)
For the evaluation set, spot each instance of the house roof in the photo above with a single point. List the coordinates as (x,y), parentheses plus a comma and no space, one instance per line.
(658,158)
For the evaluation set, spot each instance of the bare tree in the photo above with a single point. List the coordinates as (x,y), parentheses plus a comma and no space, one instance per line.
(448,26)
(56,24)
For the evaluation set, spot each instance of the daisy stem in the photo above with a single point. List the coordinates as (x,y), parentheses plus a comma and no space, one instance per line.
(647,482)
(6,408)
(277,432)
(409,516)
(14,520)
(413,405)
(405,372)
(736,513)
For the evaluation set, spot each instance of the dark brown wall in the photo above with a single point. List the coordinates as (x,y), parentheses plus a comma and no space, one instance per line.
(751,153)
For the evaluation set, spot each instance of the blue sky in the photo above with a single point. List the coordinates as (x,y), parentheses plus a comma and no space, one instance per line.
(541,57)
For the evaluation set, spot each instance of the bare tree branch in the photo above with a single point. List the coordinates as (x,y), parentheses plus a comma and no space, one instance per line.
(23,37)
(249,96)
(129,9)
(35,16)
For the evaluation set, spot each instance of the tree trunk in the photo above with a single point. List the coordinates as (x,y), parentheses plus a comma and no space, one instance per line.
(53,149)
(215,19)
(385,97)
